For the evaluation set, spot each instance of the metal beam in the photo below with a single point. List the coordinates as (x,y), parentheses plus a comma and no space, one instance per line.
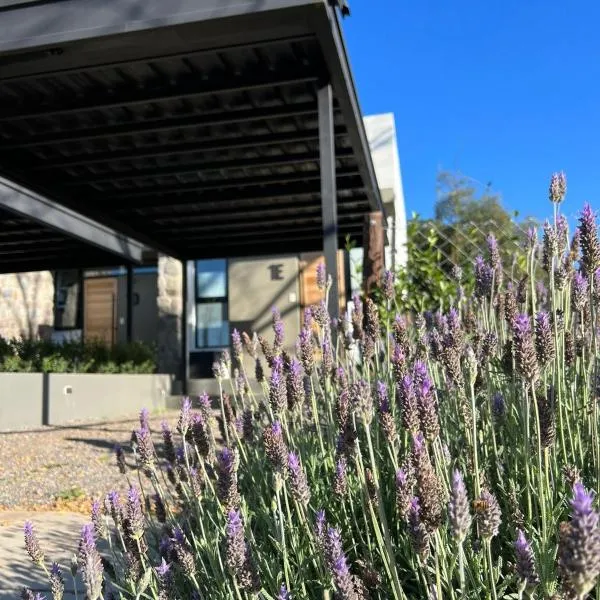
(129,311)
(200,201)
(226,183)
(329,194)
(326,24)
(202,166)
(185,355)
(189,88)
(160,124)
(267,248)
(200,146)
(258,215)
(278,231)
(33,206)
(262,226)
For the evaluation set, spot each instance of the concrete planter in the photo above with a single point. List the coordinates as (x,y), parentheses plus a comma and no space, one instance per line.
(34,399)
(21,400)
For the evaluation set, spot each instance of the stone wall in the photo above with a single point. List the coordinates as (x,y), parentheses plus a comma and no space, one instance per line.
(170,313)
(26,304)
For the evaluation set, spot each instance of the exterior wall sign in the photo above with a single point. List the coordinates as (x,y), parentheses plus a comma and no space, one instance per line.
(276,272)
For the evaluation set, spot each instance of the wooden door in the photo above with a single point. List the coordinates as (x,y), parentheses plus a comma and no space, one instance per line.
(310,294)
(100,310)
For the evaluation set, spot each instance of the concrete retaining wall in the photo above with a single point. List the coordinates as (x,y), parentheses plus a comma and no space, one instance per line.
(34,399)
(21,400)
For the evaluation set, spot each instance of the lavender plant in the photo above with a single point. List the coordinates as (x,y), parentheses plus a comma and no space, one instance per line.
(443,455)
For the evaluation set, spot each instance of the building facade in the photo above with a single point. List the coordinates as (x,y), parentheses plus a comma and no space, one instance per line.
(222,294)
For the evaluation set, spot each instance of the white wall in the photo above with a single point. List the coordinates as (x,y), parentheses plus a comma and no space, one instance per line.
(381,133)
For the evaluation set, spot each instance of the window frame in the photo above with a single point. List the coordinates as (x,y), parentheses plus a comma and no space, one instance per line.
(223,300)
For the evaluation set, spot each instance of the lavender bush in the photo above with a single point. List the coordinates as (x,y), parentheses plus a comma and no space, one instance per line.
(445,455)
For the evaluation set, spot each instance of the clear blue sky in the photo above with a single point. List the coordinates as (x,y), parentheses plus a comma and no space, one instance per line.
(505,91)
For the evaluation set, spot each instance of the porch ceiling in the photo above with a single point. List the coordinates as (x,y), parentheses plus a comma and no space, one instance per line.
(199,138)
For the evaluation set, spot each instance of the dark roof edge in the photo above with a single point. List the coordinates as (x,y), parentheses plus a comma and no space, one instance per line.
(332,41)
(28,26)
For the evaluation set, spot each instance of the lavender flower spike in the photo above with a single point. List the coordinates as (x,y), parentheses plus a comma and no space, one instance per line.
(57,583)
(283,593)
(558,187)
(338,566)
(90,564)
(579,544)
(298,481)
(32,544)
(458,508)
(321,276)
(525,562)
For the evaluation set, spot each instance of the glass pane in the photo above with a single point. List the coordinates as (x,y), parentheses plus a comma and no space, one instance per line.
(212,328)
(211,278)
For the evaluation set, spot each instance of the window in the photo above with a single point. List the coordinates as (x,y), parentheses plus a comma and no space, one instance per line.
(212,324)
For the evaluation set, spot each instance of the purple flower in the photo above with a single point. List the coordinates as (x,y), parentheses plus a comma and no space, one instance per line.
(283,593)
(340,482)
(419,536)
(338,565)
(459,515)
(57,583)
(404,491)
(488,515)
(298,481)
(165,580)
(525,563)
(427,406)
(90,563)
(590,247)
(275,447)
(525,356)
(168,444)
(579,544)
(145,449)
(238,557)
(388,285)
(278,329)
(579,291)
(484,277)
(183,553)
(544,339)
(558,187)
(321,276)
(201,436)
(98,519)
(135,515)
(320,524)
(305,350)
(113,505)
(120,456)
(531,238)
(407,403)
(32,544)
(277,391)
(185,416)
(227,483)
(236,345)
(145,418)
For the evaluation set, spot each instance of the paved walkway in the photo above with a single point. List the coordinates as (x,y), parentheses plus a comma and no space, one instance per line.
(59,537)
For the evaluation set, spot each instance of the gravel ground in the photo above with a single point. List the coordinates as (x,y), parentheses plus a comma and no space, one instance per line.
(63,467)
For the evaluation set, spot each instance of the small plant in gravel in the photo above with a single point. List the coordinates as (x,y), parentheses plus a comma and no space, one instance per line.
(444,455)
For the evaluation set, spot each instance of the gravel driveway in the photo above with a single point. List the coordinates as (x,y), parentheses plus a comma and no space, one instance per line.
(63,467)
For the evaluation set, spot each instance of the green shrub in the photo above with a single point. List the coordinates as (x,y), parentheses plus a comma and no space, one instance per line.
(31,356)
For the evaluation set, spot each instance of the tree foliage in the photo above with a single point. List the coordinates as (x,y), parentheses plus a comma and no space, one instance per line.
(465,214)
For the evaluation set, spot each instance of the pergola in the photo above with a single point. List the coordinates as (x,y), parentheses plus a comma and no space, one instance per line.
(196,128)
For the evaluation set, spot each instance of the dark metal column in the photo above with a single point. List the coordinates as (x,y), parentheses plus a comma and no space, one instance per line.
(129,309)
(329,193)
(185,355)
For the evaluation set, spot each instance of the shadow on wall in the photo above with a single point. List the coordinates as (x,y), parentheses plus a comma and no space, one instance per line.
(26,304)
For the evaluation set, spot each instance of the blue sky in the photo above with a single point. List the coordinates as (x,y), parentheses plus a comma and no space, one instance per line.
(505,91)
